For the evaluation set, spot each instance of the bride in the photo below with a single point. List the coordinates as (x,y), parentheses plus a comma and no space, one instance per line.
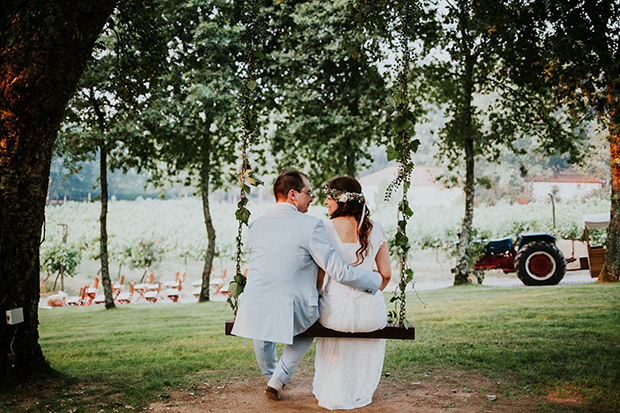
(347,371)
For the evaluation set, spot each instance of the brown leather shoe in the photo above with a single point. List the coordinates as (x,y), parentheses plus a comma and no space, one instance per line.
(272,393)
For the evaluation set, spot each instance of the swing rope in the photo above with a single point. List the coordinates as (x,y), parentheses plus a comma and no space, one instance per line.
(401,151)
(245,173)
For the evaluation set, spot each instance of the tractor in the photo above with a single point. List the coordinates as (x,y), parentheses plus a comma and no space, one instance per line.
(535,258)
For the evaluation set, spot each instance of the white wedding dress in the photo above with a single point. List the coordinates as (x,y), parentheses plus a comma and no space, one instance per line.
(347,370)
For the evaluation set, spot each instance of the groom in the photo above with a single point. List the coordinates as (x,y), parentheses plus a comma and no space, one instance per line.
(280,299)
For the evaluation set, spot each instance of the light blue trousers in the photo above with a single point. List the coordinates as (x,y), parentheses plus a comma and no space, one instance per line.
(284,369)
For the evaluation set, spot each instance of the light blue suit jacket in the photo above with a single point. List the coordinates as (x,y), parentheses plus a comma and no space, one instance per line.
(280,299)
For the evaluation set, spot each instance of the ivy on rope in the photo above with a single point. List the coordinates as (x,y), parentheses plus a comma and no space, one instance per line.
(246,173)
(401,150)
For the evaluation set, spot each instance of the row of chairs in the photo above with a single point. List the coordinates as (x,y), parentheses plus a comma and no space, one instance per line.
(88,295)
(149,290)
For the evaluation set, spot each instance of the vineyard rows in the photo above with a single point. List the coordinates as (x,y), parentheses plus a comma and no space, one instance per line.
(173,229)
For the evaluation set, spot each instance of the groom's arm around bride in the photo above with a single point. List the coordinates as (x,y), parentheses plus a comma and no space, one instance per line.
(280,299)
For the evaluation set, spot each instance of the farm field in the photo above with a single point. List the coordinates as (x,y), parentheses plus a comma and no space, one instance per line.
(174,232)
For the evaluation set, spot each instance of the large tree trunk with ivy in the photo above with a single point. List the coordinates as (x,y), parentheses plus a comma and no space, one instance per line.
(41,60)
(205,172)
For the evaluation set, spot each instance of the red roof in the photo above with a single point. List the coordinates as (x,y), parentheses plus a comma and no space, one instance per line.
(569,177)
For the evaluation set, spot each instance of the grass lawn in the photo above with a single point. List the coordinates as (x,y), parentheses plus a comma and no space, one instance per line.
(534,340)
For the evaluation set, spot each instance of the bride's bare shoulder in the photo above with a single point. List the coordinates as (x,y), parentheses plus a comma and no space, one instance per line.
(346,227)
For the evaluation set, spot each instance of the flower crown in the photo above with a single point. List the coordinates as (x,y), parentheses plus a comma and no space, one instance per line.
(340,195)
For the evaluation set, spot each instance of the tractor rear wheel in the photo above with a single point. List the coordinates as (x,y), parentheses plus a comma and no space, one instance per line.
(540,263)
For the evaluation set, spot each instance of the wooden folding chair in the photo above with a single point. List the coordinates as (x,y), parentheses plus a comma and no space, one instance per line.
(125,298)
(153,287)
(181,282)
(197,290)
(152,295)
(140,289)
(116,289)
(174,293)
(91,293)
(172,284)
(217,284)
(99,299)
(79,299)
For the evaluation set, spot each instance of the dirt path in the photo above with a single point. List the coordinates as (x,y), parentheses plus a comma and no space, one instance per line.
(457,391)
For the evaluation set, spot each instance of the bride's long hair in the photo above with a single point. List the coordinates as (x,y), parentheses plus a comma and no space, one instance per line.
(355,208)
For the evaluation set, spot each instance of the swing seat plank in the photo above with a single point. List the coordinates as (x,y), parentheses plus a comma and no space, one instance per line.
(391,331)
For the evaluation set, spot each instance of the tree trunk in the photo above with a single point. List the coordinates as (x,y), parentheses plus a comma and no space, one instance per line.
(103,219)
(40,65)
(103,225)
(462,265)
(350,161)
(599,15)
(205,171)
(462,268)
(612,258)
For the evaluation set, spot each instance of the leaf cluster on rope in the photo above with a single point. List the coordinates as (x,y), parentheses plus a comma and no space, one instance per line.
(401,150)
(246,173)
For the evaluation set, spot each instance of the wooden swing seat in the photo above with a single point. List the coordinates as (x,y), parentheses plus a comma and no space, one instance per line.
(391,331)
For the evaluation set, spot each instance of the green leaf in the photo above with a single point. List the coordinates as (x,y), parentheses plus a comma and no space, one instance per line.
(243,215)
(235,289)
(258,55)
(252,84)
(401,239)
(392,154)
(408,212)
(406,324)
(400,123)
(390,101)
(409,275)
(414,144)
(240,279)
(399,98)
(402,224)
(242,202)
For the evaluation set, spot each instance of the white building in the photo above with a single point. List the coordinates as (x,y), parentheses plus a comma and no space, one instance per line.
(565,186)
(424,191)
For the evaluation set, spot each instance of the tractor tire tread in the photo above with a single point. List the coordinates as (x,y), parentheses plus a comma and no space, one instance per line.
(535,246)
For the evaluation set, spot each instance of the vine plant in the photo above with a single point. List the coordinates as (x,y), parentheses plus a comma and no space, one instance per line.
(246,173)
(401,149)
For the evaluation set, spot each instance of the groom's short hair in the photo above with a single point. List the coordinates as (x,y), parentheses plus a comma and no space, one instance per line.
(287,180)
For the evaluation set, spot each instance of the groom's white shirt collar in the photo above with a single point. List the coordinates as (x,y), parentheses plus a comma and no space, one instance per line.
(281,205)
